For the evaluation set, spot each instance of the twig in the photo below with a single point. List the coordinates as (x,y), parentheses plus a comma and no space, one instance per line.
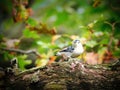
(114,8)
(32,70)
(112,34)
(21,51)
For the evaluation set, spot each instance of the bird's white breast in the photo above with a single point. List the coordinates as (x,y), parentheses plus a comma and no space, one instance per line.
(77,51)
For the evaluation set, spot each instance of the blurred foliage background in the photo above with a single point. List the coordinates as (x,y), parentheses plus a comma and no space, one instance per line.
(34,30)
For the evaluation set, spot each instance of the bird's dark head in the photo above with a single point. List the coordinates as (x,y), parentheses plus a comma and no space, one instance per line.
(76,41)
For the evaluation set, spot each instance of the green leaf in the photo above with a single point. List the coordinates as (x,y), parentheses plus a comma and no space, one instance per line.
(99,33)
(102,50)
(91,44)
(117,53)
(61,18)
(30,34)
(22,62)
(32,22)
(104,41)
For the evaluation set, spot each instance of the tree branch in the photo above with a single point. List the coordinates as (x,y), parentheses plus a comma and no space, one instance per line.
(22,51)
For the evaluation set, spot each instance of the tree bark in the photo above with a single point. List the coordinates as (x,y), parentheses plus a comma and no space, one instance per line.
(67,75)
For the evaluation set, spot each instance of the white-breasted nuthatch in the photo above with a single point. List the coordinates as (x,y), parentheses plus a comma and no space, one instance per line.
(72,51)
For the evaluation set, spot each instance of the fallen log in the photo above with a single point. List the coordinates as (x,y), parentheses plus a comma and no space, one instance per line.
(67,75)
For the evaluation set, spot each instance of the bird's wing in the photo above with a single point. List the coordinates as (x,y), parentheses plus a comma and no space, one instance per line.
(67,49)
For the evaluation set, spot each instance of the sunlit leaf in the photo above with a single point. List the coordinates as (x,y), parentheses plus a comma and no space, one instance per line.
(30,34)
(101,53)
(54,38)
(97,34)
(41,62)
(91,43)
(22,62)
(51,60)
(32,22)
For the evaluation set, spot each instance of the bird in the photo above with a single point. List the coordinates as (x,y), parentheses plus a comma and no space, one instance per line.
(72,51)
